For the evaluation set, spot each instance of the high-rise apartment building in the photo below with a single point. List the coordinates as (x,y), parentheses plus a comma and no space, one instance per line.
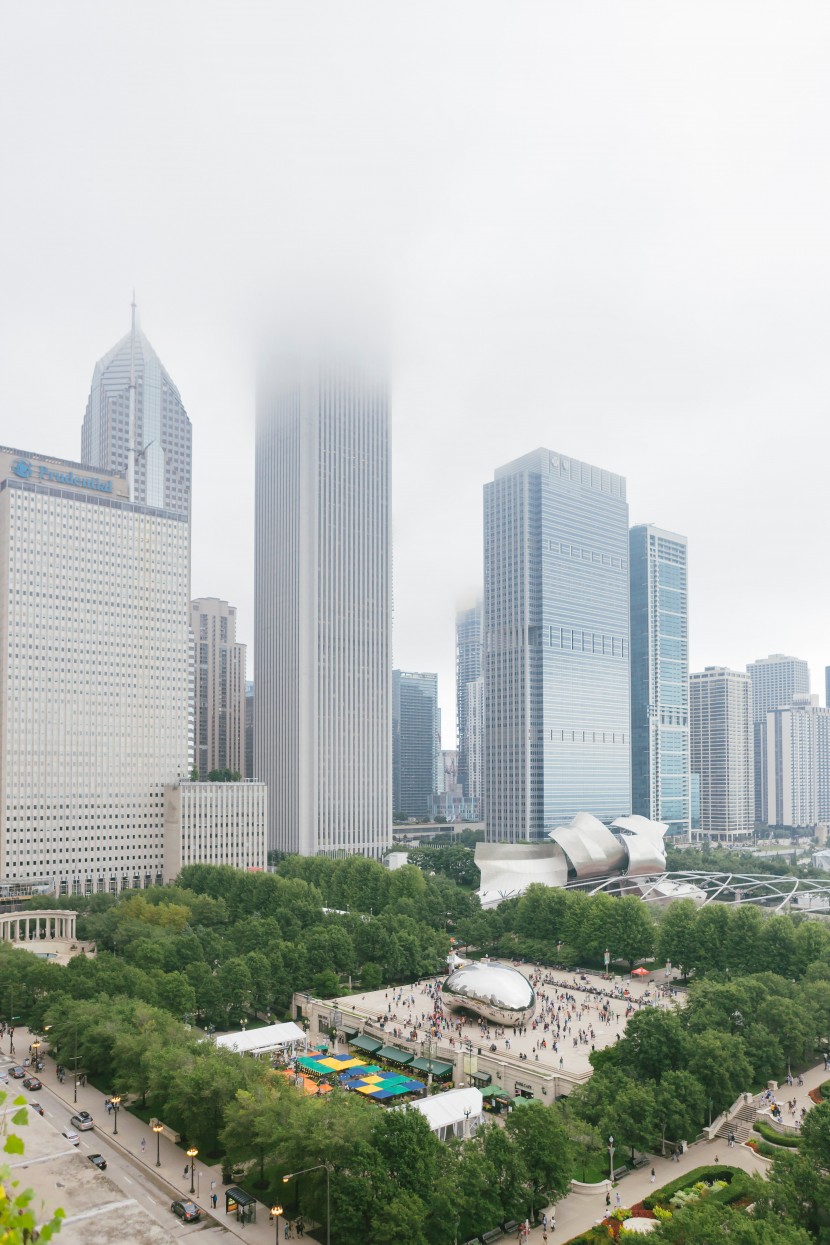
(94,659)
(219,724)
(416,744)
(468,668)
(720,708)
(474,739)
(556,646)
(131,375)
(795,770)
(660,756)
(775,681)
(322,633)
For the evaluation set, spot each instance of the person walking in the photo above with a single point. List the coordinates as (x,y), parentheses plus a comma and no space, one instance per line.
(653,1175)
(143,1145)
(213,1200)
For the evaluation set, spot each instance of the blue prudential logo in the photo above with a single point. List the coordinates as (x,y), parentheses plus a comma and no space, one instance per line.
(22,469)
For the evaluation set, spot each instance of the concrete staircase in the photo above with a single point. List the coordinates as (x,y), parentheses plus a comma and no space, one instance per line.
(740,1123)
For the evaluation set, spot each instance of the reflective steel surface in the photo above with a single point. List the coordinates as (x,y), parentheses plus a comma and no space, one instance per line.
(496,992)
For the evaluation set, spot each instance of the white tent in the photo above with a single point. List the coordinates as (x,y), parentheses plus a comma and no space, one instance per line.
(457,1113)
(286,1037)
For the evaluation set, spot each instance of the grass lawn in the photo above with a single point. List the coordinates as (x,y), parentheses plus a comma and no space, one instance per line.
(590,1166)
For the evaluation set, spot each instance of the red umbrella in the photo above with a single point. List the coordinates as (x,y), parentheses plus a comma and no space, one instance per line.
(640,972)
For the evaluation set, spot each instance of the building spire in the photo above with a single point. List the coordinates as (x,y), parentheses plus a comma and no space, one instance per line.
(131,424)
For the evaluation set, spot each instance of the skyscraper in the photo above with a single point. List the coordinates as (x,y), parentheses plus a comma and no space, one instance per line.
(556,636)
(249,728)
(131,373)
(416,745)
(720,707)
(468,668)
(660,761)
(219,726)
(94,677)
(795,743)
(775,681)
(322,738)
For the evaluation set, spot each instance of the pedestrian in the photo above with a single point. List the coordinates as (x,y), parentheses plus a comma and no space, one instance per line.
(544,1222)
(213,1200)
(717,1160)
(607,1201)
(653,1175)
(300,1226)
(617,1200)
(143,1145)
(186,1171)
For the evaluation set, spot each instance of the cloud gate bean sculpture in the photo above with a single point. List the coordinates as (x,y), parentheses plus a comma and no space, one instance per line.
(493,991)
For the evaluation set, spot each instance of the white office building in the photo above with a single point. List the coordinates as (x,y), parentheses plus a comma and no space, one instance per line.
(93,676)
(776,680)
(216,823)
(720,713)
(322,627)
(795,765)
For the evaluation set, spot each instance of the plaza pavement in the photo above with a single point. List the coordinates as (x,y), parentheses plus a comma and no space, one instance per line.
(402,1017)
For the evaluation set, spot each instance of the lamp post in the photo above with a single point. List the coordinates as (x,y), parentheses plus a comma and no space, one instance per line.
(466,1121)
(157,1129)
(191,1154)
(274,1214)
(36,1052)
(116,1103)
(611,1158)
(326,1167)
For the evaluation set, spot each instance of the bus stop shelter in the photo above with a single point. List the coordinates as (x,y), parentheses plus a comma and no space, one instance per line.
(240,1204)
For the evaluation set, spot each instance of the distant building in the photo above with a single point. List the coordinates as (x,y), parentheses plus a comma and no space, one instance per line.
(215,823)
(660,746)
(468,669)
(474,697)
(455,806)
(795,749)
(161,449)
(219,723)
(249,728)
(415,742)
(557,706)
(720,705)
(322,582)
(450,763)
(775,681)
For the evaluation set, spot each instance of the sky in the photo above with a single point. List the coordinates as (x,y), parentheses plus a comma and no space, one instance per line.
(601,228)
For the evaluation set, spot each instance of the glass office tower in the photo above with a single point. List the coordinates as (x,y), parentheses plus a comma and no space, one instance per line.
(660,762)
(416,742)
(468,655)
(556,646)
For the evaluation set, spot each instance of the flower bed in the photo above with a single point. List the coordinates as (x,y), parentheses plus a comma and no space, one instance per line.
(734,1186)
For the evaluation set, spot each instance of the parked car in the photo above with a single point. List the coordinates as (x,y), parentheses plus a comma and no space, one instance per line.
(99,1161)
(188,1211)
(36,1107)
(18,1073)
(82,1121)
(31,1082)
(71,1135)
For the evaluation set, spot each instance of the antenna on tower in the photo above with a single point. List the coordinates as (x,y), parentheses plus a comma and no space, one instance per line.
(131,423)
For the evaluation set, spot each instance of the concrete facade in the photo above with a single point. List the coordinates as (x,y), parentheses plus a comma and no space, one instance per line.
(219,702)
(216,823)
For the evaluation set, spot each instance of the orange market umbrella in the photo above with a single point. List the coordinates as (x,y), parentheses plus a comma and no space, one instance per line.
(640,972)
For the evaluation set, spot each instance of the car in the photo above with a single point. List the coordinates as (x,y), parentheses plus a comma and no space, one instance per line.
(36,1107)
(71,1136)
(99,1161)
(82,1121)
(31,1082)
(188,1211)
(18,1073)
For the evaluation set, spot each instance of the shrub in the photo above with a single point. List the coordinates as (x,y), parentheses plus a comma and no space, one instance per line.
(661,1214)
(733,1185)
(621,1214)
(824,1090)
(765,1130)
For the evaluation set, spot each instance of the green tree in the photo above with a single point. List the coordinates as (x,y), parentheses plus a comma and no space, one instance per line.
(702,1223)
(541,1138)
(676,934)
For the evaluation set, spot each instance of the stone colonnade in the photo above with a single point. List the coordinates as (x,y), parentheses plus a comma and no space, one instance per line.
(31,926)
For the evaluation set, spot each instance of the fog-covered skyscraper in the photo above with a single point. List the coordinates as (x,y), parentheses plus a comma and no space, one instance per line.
(468,668)
(322,634)
(556,634)
(162,433)
(660,766)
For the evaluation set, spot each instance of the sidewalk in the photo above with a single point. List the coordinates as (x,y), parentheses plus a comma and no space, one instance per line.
(169,1178)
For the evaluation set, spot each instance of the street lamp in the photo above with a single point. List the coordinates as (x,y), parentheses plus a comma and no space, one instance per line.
(326,1167)
(158,1129)
(611,1157)
(191,1154)
(466,1121)
(36,1051)
(275,1213)
(116,1103)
